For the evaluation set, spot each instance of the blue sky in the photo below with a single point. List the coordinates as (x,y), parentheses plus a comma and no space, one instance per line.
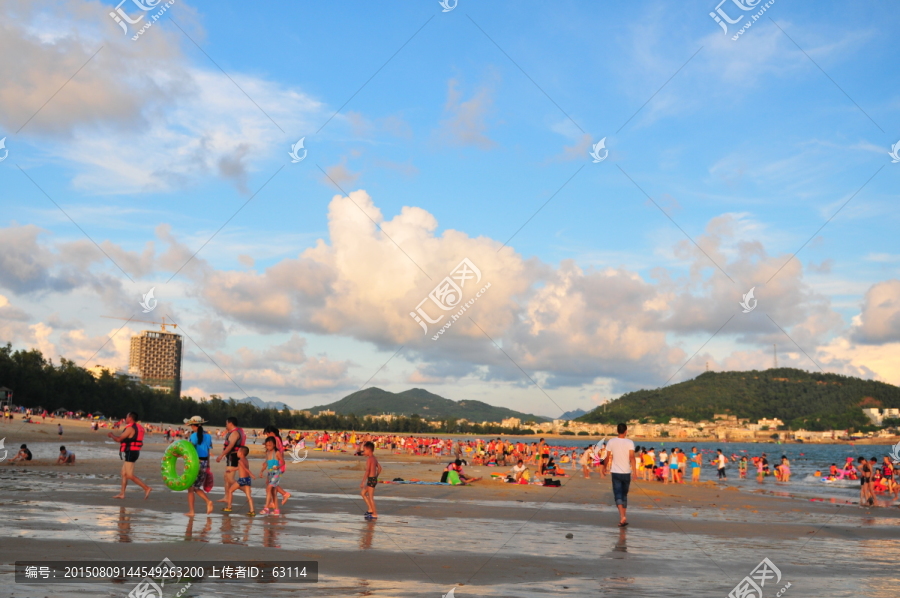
(451,131)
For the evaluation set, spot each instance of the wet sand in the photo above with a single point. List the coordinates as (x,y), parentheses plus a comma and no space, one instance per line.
(490,539)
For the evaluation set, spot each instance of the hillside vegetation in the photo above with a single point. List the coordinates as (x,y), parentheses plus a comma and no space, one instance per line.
(374,401)
(814,401)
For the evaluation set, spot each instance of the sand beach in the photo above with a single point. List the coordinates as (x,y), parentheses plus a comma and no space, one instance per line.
(488,539)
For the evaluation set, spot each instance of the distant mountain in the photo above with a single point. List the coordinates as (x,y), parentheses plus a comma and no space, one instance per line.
(374,401)
(259,403)
(572,414)
(801,399)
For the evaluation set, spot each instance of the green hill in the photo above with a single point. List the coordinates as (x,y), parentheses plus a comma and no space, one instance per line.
(374,401)
(801,399)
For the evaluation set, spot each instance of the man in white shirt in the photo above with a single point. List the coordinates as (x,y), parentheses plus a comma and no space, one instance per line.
(720,464)
(620,462)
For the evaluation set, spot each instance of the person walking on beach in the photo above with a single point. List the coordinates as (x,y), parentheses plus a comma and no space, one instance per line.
(273,432)
(59,430)
(235,438)
(202,441)
(131,441)
(244,482)
(370,480)
(720,464)
(620,462)
(272,468)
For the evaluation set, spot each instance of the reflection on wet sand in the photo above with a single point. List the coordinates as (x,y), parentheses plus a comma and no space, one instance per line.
(366,535)
(620,546)
(270,532)
(124,525)
(228,529)
(202,536)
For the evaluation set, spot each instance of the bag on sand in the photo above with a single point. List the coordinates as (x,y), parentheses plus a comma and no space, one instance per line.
(552,482)
(453,478)
(208,482)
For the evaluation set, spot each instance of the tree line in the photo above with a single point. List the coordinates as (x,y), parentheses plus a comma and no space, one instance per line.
(38,382)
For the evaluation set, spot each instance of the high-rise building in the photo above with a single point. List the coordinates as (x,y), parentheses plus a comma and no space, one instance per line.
(156,359)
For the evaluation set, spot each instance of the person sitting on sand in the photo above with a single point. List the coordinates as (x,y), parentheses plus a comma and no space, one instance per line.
(457,467)
(550,468)
(65,457)
(520,472)
(24,454)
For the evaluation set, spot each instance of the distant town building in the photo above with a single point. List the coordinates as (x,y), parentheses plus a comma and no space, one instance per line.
(156,360)
(877,416)
(384,417)
(98,370)
(511,422)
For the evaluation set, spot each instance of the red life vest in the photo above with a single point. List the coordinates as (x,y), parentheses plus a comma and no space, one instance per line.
(242,439)
(134,443)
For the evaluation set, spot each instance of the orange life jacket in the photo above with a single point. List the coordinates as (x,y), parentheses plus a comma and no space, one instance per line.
(135,442)
(242,439)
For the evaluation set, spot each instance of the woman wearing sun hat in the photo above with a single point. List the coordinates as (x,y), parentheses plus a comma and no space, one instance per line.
(202,441)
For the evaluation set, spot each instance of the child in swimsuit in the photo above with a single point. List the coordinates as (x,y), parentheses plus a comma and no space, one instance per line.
(244,481)
(742,467)
(370,480)
(785,469)
(272,468)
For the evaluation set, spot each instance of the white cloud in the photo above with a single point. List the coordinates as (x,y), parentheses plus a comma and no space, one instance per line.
(466,122)
(139,117)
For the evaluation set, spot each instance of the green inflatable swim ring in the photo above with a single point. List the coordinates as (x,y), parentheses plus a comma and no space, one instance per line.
(185,450)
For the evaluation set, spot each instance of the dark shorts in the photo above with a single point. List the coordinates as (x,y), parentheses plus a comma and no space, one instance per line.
(244,481)
(131,456)
(621,482)
(371,482)
(231,459)
(201,475)
(862,481)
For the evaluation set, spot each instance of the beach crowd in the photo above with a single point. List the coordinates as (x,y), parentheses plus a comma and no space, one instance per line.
(535,462)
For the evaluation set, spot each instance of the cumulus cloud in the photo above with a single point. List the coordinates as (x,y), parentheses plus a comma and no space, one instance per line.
(283,368)
(138,117)
(374,278)
(879,321)
(569,323)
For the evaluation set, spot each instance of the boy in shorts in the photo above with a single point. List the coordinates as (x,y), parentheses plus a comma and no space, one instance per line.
(370,480)
(65,457)
(244,480)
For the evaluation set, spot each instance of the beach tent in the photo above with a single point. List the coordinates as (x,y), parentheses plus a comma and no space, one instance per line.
(60,411)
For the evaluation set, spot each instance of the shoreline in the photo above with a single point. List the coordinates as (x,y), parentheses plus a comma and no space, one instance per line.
(85,424)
